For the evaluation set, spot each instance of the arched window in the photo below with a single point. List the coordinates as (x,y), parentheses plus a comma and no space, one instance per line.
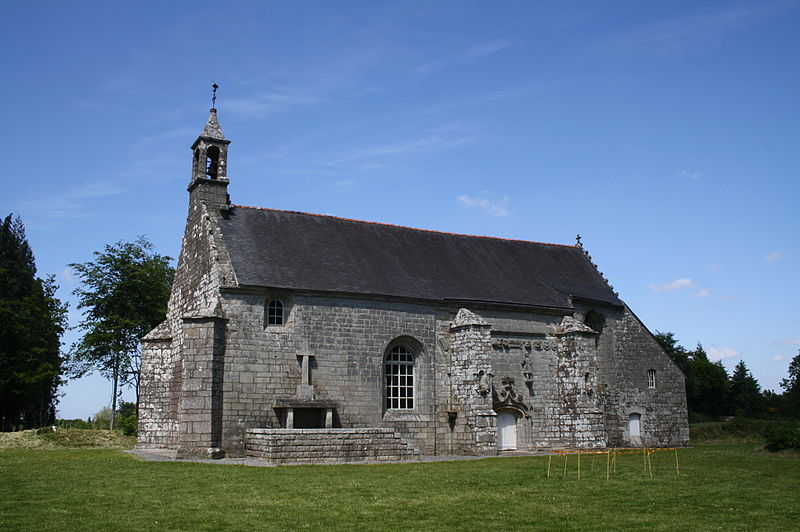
(651,378)
(399,378)
(594,320)
(275,312)
(212,162)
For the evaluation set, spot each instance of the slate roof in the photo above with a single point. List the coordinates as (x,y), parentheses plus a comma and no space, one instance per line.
(293,250)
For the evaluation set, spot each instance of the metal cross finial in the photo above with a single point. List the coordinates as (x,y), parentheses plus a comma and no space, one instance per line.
(578,241)
(214,88)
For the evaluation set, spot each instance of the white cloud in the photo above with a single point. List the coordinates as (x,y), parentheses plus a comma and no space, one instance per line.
(442,138)
(69,203)
(677,284)
(494,207)
(777,358)
(686,174)
(66,275)
(679,37)
(715,267)
(264,103)
(721,353)
(471,55)
(772,257)
(94,190)
(790,341)
(702,293)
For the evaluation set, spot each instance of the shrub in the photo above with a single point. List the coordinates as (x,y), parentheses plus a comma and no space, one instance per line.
(126,418)
(780,437)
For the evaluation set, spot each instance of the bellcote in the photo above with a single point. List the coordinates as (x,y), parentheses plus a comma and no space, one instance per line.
(210,163)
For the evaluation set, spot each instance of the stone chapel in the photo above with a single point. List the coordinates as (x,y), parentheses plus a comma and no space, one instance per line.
(301,337)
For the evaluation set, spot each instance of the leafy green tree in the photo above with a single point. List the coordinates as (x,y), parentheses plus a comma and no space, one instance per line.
(124,295)
(102,419)
(32,320)
(791,387)
(744,397)
(676,352)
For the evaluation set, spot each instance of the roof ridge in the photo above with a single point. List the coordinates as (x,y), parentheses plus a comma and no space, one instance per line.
(408,227)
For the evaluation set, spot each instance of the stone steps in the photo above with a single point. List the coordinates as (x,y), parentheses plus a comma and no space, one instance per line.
(328,446)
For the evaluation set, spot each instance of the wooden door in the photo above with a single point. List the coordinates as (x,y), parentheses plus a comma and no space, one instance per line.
(506,431)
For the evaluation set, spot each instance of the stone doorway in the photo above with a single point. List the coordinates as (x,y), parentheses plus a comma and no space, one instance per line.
(635,429)
(506,431)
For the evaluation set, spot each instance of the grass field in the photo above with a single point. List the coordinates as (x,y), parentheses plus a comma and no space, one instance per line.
(721,487)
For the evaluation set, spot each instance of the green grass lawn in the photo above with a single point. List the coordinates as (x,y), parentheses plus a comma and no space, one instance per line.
(721,487)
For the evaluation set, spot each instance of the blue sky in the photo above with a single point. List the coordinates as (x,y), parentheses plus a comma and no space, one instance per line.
(666,134)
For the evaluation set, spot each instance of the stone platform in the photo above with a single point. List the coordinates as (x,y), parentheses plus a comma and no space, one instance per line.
(328,446)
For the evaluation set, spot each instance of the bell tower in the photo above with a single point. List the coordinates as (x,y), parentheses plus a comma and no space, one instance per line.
(209,182)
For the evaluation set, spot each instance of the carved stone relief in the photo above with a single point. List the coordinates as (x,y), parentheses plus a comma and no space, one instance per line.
(506,396)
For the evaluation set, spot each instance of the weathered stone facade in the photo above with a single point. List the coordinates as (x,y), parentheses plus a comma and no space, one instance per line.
(465,374)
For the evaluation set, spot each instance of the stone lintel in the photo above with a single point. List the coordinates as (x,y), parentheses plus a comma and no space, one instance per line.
(201,317)
(294,402)
(163,340)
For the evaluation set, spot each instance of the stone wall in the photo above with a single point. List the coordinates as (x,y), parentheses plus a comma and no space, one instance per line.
(157,394)
(321,446)
(215,368)
(664,419)
(348,339)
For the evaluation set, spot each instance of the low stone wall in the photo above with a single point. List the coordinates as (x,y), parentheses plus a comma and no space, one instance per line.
(327,446)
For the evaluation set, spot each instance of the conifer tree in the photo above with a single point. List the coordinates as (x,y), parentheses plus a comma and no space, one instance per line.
(707,390)
(791,387)
(32,320)
(745,397)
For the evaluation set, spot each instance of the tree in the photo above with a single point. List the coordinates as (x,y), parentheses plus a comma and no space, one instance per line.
(124,295)
(676,352)
(32,320)
(744,397)
(791,387)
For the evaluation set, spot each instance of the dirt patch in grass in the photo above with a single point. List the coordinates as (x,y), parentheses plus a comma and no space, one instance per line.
(61,438)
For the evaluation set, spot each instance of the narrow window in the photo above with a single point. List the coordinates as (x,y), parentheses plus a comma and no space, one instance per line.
(275,312)
(400,378)
(212,162)
(651,378)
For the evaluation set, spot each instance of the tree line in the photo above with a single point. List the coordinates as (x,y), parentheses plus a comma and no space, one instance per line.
(713,394)
(123,295)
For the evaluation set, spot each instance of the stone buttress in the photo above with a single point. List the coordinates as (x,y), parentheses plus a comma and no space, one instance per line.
(471,385)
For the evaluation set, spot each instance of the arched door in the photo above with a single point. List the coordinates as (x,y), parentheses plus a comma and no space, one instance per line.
(506,431)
